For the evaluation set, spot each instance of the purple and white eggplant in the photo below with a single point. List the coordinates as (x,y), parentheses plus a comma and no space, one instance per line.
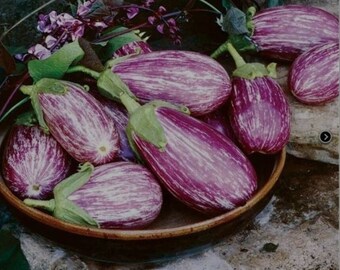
(33,162)
(120,117)
(139,46)
(75,119)
(284,32)
(180,77)
(197,164)
(118,195)
(258,109)
(314,76)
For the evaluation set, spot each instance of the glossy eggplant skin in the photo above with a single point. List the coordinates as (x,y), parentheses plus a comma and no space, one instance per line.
(78,122)
(120,195)
(132,48)
(33,162)
(284,32)
(199,166)
(179,77)
(259,115)
(314,76)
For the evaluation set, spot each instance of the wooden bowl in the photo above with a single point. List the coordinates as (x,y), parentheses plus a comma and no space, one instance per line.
(176,232)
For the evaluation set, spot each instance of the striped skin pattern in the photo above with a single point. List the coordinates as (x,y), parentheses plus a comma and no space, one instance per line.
(33,162)
(314,75)
(80,125)
(284,32)
(179,77)
(120,195)
(120,116)
(259,115)
(132,47)
(199,166)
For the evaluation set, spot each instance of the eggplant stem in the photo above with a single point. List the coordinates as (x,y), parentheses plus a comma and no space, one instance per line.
(239,61)
(23,101)
(220,50)
(129,103)
(92,73)
(46,205)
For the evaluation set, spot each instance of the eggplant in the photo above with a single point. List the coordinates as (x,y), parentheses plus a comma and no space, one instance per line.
(33,162)
(139,46)
(75,119)
(314,76)
(117,195)
(195,163)
(281,32)
(219,121)
(284,32)
(258,109)
(120,117)
(179,77)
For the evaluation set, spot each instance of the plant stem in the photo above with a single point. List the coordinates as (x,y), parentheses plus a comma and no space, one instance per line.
(23,101)
(220,50)
(24,18)
(92,73)
(210,5)
(236,56)
(46,205)
(129,103)
(15,90)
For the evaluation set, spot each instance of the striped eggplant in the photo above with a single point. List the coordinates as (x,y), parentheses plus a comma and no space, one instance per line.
(120,116)
(197,164)
(219,121)
(33,162)
(75,119)
(179,77)
(258,110)
(139,46)
(117,195)
(284,32)
(314,76)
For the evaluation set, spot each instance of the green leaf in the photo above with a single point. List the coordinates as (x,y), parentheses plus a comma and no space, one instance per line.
(234,22)
(57,64)
(274,3)
(11,255)
(109,47)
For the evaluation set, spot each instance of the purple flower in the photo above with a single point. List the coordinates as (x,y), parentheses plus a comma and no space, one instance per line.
(160,28)
(132,12)
(39,51)
(85,8)
(152,20)
(148,3)
(47,23)
(50,41)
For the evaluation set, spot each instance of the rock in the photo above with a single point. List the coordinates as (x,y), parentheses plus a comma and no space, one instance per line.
(307,124)
(41,254)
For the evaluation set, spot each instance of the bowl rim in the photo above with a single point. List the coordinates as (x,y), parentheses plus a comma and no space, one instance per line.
(146,234)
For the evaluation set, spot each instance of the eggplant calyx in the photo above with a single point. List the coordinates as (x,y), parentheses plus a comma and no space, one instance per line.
(144,123)
(61,207)
(26,119)
(110,85)
(250,70)
(249,20)
(45,85)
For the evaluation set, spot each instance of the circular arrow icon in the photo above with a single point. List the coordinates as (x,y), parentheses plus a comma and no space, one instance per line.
(325,137)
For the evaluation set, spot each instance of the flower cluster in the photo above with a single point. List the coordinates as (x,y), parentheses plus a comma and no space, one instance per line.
(59,29)
(163,22)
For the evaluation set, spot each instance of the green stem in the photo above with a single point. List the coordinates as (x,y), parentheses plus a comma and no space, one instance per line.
(236,56)
(220,50)
(210,5)
(46,205)
(92,73)
(23,101)
(129,103)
